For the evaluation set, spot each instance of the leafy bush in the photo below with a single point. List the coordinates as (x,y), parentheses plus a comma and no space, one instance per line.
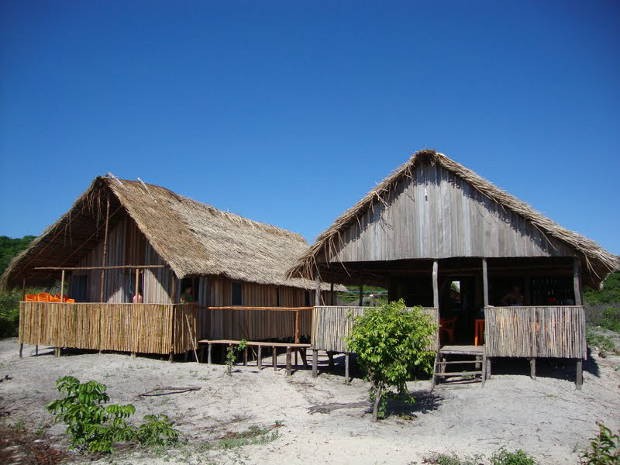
(604,448)
(231,355)
(9,313)
(518,457)
(94,427)
(610,293)
(450,459)
(603,343)
(390,342)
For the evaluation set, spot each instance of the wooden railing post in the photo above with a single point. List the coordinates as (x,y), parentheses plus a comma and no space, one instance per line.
(435,284)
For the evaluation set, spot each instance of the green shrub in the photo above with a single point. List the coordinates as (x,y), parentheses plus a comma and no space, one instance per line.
(450,459)
(604,448)
(390,342)
(9,313)
(231,355)
(518,457)
(96,427)
(603,343)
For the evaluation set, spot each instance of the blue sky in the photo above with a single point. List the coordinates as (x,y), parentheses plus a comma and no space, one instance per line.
(288,112)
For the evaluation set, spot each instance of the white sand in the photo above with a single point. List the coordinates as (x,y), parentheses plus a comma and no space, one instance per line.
(548,417)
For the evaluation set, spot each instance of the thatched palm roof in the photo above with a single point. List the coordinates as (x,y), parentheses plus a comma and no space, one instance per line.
(598,263)
(191,237)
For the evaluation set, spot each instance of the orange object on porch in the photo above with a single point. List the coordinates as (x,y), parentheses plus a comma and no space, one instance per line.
(479,332)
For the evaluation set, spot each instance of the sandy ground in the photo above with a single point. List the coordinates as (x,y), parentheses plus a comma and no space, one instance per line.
(547,417)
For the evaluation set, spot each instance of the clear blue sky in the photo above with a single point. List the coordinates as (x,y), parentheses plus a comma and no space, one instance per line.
(288,112)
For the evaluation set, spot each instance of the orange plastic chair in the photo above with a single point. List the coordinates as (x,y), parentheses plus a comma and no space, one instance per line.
(31,297)
(479,331)
(43,297)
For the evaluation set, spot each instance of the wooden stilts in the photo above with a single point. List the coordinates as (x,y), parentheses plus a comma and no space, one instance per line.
(489,368)
(579,373)
(330,356)
(315,362)
(245,357)
(346,367)
(56,352)
(209,350)
(435,284)
(361,296)
(171,357)
(21,350)
(533,368)
(484,368)
(62,285)
(133,355)
(36,350)
(289,369)
(259,358)
(274,359)
(577,280)
(332,299)
(485,283)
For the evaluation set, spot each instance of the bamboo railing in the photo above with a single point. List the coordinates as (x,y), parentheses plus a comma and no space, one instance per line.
(332,324)
(137,328)
(544,331)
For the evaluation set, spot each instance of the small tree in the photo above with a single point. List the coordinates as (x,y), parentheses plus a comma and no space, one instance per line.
(390,342)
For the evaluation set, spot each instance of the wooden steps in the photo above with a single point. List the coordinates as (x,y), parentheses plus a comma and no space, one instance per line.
(456,356)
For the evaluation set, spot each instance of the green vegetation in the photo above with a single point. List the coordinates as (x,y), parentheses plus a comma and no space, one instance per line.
(96,427)
(231,355)
(610,294)
(10,247)
(9,313)
(500,457)
(604,448)
(505,457)
(604,344)
(391,342)
(254,435)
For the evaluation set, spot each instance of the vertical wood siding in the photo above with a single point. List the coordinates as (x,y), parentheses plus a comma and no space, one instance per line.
(435,214)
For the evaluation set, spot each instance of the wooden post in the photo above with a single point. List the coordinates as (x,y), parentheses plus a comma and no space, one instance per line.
(577,280)
(533,367)
(485,283)
(62,285)
(259,357)
(245,357)
(347,357)
(579,374)
(317,291)
(23,289)
(137,289)
(209,350)
(21,349)
(297,327)
(315,362)
(105,251)
(331,294)
(361,299)
(488,368)
(274,358)
(435,284)
(289,369)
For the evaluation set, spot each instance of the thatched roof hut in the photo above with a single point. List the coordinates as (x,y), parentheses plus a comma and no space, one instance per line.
(596,262)
(191,237)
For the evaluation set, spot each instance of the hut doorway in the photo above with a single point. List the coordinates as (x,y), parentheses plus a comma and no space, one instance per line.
(458,309)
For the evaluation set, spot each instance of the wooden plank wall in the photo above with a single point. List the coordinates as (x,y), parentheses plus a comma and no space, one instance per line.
(557,331)
(332,324)
(251,325)
(141,328)
(437,215)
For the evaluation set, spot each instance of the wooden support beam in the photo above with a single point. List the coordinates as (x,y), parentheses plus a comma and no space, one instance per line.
(274,358)
(361,297)
(259,358)
(579,373)
(289,369)
(488,368)
(347,357)
(533,367)
(435,284)
(315,362)
(297,327)
(245,357)
(105,252)
(485,283)
(317,291)
(93,268)
(577,280)
(209,350)
(332,300)
(62,285)
(21,350)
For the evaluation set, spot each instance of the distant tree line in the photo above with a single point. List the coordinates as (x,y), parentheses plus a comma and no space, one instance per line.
(9,247)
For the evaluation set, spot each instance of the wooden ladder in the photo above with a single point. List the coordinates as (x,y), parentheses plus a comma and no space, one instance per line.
(449,356)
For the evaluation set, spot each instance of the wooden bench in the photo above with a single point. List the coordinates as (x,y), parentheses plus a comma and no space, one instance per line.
(290,346)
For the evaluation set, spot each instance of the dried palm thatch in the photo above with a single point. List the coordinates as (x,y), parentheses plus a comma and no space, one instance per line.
(191,237)
(597,261)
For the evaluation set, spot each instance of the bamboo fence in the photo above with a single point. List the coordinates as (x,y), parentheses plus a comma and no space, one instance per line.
(332,324)
(544,331)
(139,328)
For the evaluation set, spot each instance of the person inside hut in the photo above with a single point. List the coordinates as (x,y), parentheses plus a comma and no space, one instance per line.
(513,298)
(187,296)
(137,298)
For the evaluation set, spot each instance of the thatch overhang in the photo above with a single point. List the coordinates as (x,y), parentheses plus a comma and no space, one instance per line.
(193,238)
(321,259)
